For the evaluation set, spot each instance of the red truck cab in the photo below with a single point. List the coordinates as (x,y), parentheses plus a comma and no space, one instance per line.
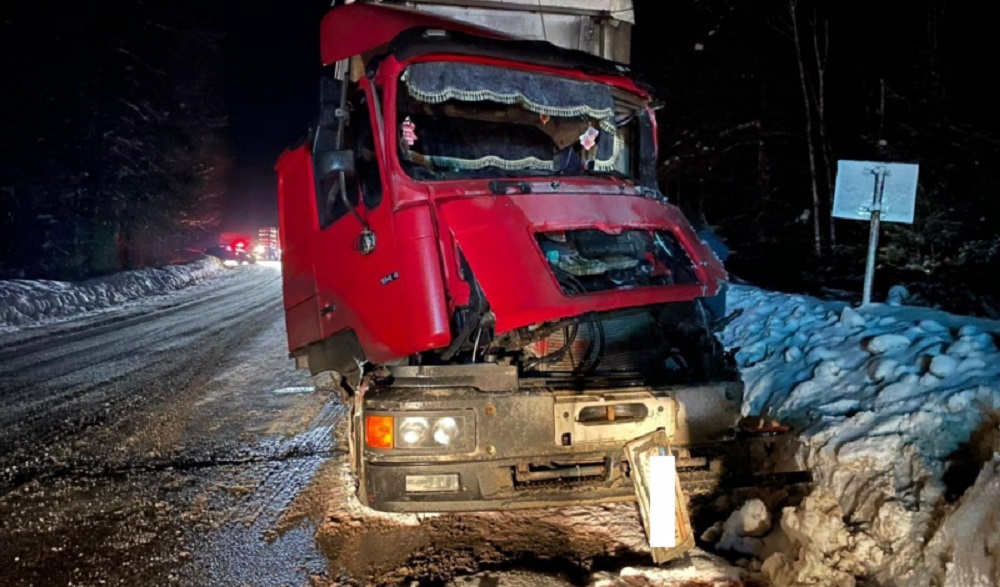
(473,239)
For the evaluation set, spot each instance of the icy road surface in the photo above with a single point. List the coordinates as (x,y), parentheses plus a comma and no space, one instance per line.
(160,444)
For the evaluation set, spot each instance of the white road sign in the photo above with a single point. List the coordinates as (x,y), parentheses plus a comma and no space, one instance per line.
(857,190)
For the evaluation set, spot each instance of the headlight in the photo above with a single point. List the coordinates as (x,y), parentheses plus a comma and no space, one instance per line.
(417,432)
(429,431)
(412,431)
(445,431)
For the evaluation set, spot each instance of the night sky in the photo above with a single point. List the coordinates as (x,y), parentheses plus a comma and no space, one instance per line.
(272,70)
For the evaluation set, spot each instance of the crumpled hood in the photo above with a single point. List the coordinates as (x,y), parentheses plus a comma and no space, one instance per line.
(496,235)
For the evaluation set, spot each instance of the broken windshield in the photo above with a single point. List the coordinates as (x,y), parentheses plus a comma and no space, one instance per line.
(462,120)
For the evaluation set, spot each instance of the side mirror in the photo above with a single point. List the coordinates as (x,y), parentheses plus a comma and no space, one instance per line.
(332,162)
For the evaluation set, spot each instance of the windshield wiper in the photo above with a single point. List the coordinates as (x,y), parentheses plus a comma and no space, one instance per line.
(608,173)
(596,173)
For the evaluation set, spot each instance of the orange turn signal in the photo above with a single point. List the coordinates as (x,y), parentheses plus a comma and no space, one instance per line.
(378,431)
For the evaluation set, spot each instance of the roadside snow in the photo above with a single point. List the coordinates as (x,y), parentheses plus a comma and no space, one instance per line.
(893,403)
(743,531)
(970,536)
(31,303)
(696,569)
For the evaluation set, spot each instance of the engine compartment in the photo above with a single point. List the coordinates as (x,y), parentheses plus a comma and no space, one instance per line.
(587,261)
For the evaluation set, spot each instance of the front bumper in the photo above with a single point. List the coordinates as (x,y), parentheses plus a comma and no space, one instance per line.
(487,485)
(541,448)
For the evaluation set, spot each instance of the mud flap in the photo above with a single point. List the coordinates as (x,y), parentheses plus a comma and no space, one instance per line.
(656,481)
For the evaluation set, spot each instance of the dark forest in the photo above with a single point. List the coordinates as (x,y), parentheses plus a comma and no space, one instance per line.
(131,134)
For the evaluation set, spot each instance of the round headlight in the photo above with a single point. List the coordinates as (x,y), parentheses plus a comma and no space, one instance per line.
(445,431)
(413,430)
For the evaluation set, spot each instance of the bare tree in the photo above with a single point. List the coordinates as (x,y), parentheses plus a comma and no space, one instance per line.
(821,53)
(793,6)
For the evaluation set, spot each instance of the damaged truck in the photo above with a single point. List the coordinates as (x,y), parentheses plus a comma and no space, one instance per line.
(475,248)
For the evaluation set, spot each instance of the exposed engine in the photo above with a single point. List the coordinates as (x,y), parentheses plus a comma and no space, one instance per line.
(587,261)
(665,345)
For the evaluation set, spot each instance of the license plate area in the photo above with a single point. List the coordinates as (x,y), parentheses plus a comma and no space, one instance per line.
(617,417)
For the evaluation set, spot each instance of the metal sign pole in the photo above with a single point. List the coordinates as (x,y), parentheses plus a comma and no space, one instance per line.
(876,211)
(892,198)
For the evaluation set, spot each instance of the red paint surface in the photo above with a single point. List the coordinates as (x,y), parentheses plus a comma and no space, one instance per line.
(497,236)
(354,29)
(399,299)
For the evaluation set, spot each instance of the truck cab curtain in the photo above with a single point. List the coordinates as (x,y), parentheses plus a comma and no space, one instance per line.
(437,82)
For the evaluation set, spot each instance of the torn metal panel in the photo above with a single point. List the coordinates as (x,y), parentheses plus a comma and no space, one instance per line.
(638,453)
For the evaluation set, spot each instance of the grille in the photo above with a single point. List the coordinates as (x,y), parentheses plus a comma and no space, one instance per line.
(629,345)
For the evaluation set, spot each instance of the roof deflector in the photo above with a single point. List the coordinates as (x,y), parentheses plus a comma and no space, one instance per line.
(353,29)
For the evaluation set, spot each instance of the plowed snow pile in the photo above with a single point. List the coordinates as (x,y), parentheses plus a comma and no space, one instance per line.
(897,407)
(32,302)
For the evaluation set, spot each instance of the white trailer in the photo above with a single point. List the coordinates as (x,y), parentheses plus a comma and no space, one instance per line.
(599,27)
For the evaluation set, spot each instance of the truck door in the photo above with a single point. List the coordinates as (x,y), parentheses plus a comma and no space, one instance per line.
(354,254)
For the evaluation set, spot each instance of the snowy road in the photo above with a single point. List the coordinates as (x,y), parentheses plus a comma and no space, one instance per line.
(159,443)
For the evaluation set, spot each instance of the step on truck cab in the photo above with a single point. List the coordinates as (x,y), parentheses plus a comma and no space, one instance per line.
(474,245)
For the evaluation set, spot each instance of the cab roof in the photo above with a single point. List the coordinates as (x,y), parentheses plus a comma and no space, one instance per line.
(353,29)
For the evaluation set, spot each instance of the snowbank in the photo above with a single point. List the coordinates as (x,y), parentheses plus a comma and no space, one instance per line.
(697,569)
(897,409)
(28,303)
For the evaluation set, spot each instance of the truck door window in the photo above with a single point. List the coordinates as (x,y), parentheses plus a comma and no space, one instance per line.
(365,183)
(366,165)
(329,202)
